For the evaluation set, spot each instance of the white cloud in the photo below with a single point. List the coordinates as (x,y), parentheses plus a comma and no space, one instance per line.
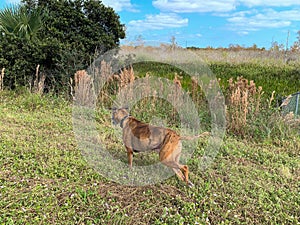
(276,3)
(120,5)
(158,22)
(243,33)
(188,6)
(12,1)
(254,20)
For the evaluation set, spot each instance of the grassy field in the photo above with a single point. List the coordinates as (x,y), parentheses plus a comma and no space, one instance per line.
(44,179)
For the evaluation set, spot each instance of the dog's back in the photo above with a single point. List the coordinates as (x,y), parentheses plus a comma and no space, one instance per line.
(142,137)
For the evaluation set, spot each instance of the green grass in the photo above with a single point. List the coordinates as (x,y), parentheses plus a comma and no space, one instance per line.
(283,79)
(44,179)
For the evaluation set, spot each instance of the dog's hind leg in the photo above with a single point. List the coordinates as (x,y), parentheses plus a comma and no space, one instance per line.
(183,174)
(169,155)
(179,174)
(129,156)
(180,170)
(184,171)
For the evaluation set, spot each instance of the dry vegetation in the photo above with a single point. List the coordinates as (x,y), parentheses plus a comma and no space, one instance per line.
(237,55)
(39,82)
(1,79)
(277,58)
(243,101)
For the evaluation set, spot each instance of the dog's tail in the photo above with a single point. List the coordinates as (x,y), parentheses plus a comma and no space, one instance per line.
(204,134)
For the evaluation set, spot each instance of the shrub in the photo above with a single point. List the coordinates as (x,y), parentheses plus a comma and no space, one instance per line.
(68,35)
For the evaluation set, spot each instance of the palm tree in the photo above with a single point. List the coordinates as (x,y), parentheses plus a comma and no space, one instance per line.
(18,21)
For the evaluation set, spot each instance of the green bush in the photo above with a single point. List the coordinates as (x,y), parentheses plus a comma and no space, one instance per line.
(71,34)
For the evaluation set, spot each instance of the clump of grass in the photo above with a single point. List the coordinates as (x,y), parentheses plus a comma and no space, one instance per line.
(83,88)
(149,96)
(109,84)
(243,101)
(125,77)
(252,117)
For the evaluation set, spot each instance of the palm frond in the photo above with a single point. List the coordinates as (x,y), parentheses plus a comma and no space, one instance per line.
(18,21)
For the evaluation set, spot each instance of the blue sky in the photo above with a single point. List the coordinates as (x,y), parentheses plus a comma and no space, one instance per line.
(214,23)
(200,23)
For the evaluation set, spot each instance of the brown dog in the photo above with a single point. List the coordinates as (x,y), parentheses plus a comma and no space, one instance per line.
(139,137)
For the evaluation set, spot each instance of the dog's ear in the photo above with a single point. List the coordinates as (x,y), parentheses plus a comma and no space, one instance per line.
(113,108)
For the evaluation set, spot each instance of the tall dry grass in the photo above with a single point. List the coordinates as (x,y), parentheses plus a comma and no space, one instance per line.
(83,92)
(243,102)
(148,96)
(114,82)
(39,82)
(103,84)
(125,77)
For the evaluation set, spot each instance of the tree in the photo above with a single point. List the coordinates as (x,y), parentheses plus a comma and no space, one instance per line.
(139,40)
(85,25)
(81,29)
(275,46)
(71,34)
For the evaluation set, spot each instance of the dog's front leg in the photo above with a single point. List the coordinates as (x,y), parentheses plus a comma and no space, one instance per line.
(130,156)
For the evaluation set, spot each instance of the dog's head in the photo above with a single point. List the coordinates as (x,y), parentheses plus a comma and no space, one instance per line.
(119,114)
